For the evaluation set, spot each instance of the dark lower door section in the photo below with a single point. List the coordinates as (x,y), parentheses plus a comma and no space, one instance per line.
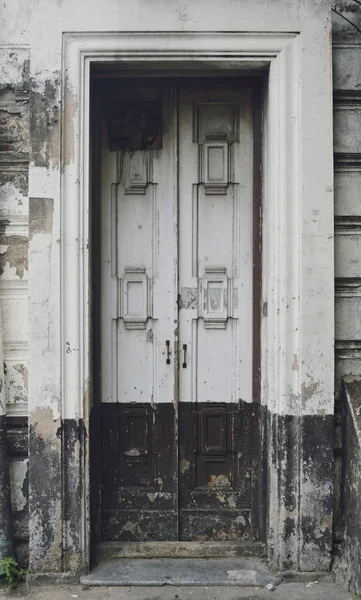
(138,487)
(215,471)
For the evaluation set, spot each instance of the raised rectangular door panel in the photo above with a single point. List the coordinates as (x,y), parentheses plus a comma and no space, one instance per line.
(138,472)
(215,473)
(215,317)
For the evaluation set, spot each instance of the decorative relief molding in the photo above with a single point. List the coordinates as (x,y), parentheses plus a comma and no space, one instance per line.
(13,288)
(347,99)
(139,172)
(345,45)
(16,361)
(348,225)
(228,121)
(14,225)
(16,351)
(348,349)
(155,232)
(216,297)
(114,359)
(345,161)
(17,409)
(14,162)
(114,229)
(195,240)
(215,159)
(215,450)
(215,151)
(236,230)
(347,287)
(136,434)
(134,298)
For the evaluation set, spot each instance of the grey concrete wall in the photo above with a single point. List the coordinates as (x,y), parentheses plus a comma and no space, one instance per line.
(14,167)
(14,164)
(19,485)
(351,482)
(347,198)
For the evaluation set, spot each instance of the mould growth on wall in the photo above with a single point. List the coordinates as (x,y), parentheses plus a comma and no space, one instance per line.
(14,253)
(44,123)
(14,164)
(307,440)
(45,492)
(312,434)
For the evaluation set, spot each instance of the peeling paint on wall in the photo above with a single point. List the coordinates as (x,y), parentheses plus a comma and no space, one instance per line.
(18,482)
(14,252)
(296,440)
(45,499)
(351,484)
(14,162)
(45,124)
(24,372)
(42,210)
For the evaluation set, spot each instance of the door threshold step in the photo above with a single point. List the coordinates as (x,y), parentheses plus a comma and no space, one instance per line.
(105,551)
(181,572)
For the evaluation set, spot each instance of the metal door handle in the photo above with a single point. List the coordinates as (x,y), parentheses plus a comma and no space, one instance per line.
(167,343)
(185,356)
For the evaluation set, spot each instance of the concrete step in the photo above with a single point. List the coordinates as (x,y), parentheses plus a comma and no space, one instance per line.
(181,572)
(106,551)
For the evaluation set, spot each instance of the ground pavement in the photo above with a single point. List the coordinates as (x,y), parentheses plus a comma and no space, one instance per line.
(312,590)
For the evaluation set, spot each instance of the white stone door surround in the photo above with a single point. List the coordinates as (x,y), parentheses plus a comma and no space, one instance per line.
(297,244)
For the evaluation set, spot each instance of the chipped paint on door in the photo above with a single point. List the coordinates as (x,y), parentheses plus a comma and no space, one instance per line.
(215,317)
(176,353)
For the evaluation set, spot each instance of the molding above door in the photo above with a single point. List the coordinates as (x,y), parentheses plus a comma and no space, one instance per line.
(296,380)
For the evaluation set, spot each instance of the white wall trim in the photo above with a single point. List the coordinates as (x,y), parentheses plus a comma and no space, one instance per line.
(231,50)
(291,186)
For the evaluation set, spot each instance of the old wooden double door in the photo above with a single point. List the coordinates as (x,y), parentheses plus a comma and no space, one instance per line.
(176,316)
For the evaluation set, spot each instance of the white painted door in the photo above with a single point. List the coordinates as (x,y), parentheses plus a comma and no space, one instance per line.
(158,297)
(215,316)
(139,281)
(139,263)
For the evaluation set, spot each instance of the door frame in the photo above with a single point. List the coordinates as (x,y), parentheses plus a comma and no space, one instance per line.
(284,286)
(171,82)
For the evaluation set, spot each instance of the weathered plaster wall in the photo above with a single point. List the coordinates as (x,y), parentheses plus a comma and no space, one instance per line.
(19,485)
(35,28)
(351,482)
(347,198)
(14,166)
